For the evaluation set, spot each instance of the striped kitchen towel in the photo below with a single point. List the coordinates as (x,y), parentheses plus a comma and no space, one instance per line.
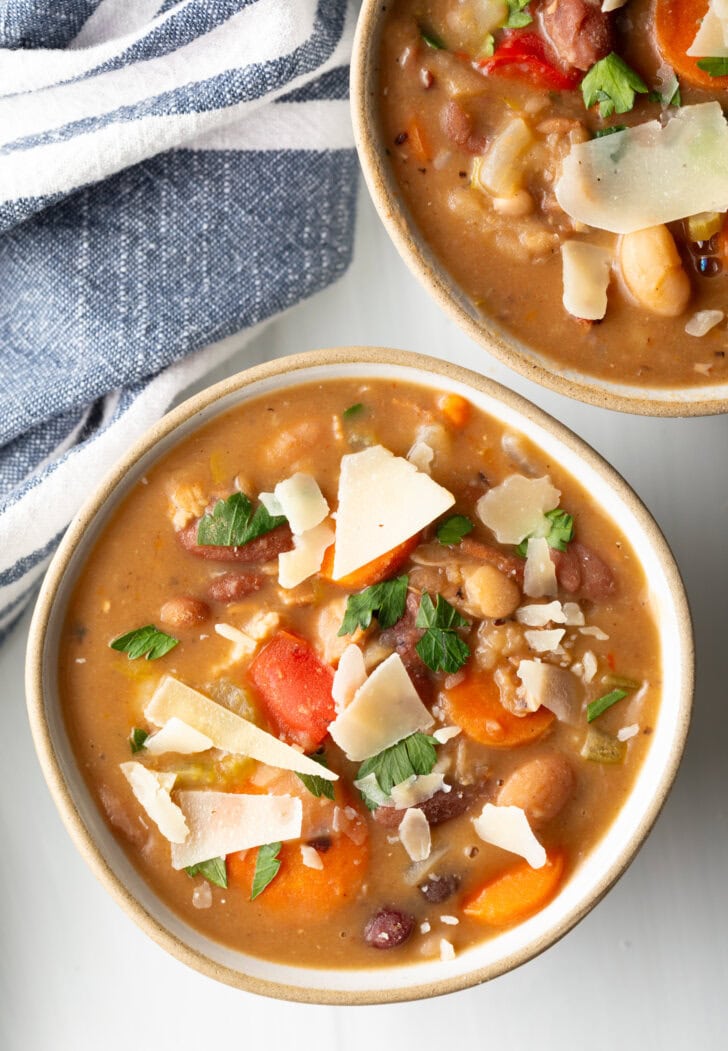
(171,173)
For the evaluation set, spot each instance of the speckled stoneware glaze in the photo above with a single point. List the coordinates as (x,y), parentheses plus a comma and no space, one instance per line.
(648,401)
(504,951)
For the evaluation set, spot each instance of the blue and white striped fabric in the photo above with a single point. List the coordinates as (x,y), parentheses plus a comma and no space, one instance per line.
(171,173)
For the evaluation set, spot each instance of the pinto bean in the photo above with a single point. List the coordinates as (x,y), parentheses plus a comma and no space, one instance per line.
(262,549)
(490,593)
(183,612)
(511,565)
(233,586)
(539,786)
(436,889)
(579,30)
(458,126)
(388,928)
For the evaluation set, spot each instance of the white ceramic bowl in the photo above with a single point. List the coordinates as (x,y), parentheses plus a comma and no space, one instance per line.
(504,951)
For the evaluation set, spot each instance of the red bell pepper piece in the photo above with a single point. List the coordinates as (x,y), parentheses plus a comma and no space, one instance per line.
(526,55)
(294,685)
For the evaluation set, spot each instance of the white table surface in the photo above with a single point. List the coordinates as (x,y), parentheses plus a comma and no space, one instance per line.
(647,969)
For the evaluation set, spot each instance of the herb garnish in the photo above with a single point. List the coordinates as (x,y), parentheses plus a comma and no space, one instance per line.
(714,67)
(266,868)
(147,642)
(386,601)
(213,870)
(414,755)
(431,39)
(453,529)
(137,737)
(233,523)
(518,14)
(561,532)
(441,648)
(598,707)
(318,786)
(601,132)
(353,410)
(613,84)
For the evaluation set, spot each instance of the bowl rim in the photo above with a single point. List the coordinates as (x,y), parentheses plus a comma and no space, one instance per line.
(421,262)
(295,366)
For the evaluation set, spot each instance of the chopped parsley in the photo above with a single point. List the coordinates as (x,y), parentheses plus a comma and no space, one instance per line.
(441,648)
(453,529)
(518,14)
(213,870)
(416,754)
(233,523)
(386,601)
(147,642)
(318,786)
(714,67)
(266,868)
(137,737)
(353,410)
(431,39)
(561,532)
(596,708)
(613,84)
(601,132)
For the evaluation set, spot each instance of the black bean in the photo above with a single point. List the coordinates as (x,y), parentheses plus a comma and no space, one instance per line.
(388,928)
(439,888)
(444,806)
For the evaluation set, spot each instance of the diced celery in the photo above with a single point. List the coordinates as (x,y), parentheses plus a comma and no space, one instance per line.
(704,225)
(234,697)
(601,747)
(621,681)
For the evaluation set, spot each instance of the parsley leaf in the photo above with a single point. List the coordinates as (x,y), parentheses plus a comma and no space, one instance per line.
(518,14)
(561,532)
(146,642)
(714,67)
(415,754)
(137,737)
(353,410)
(213,870)
(595,708)
(386,601)
(233,523)
(266,868)
(318,786)
(601,132)
(453,529)
(612,84)
(441,648)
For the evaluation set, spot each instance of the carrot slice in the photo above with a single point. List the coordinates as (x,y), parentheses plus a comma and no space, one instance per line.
(294,685)
(417,141)
(517,893)
(676,23)
(373,572)
(455,409)
(474,705)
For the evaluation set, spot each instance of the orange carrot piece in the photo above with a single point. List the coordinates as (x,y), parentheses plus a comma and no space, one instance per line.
(474,705)
(676,23)
(417,141)
(517,893)
(373,572)
(455,409)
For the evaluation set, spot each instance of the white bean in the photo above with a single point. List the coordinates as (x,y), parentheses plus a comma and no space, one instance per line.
(653,272)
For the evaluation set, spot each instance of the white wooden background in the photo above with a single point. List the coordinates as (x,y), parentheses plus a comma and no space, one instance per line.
(648,969)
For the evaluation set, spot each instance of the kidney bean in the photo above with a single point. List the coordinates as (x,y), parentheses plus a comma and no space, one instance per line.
(511,565)
(388,928)
(439,888)
(541,787)
(579,30)
(458,126)
(443,806)
(580,569)
(262,549)
(233,586)
(183,612)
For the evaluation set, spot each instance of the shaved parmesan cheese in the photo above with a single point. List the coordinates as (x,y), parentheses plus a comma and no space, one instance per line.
(544,641)
(586,270)
(224,822)
(177,736)
(301,501)
(711,39)
(151,790)
(383,501)
(417,789)
(447,950)
(507,827)
(539,574)
(595,632)
(627,732)
(272,504)
(311,857)
(538,616)
(573,614)
(350,675)
(414,835)
(703,321)
(517,507)
(421,455)
(243,645)
(602,181)
(226,730)
(589,662)
(385,709)
(554,688)
(308,553)
(446,733)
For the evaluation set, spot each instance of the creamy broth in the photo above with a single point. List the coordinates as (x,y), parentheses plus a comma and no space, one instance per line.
(139,565)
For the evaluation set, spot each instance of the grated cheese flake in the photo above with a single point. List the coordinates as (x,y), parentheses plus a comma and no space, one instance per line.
(177,736)
(311,857)
(544,640)
(301,501)
(554,688)
(414,834)
(447,950)
(418,788)
(539,574)
(507,827)
(152,791)
(517,508)
(306,557)
(541,614)
(585,270)
(446,733)
(627,732)
(350,675)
